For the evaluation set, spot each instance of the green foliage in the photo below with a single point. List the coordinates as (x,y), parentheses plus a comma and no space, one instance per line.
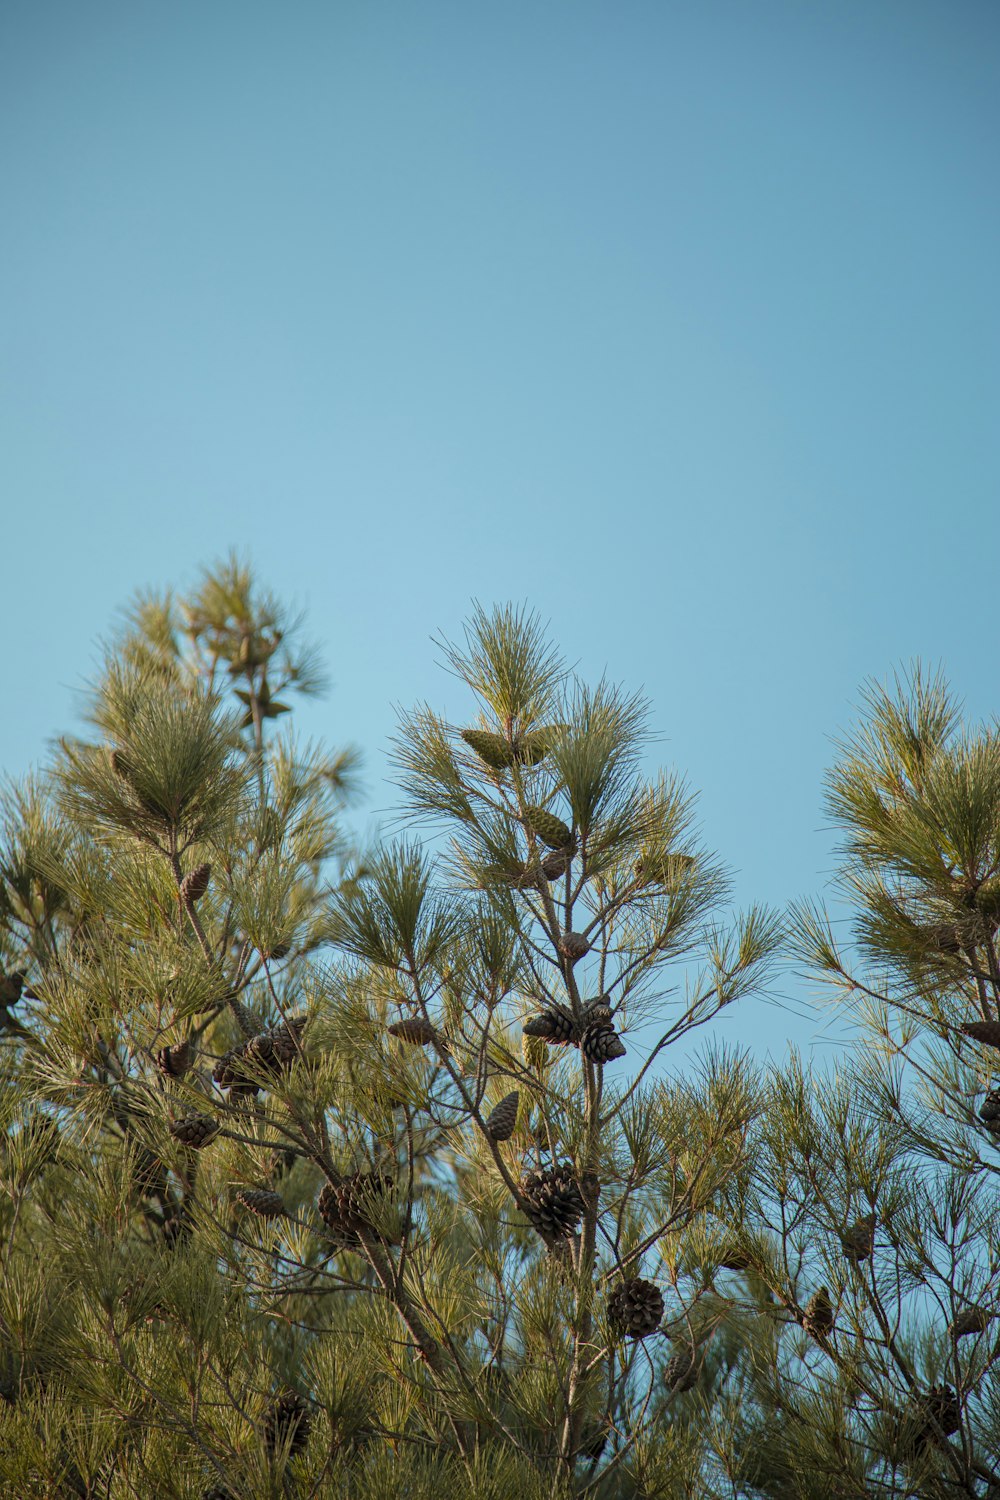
(879,1181)
(257,1236)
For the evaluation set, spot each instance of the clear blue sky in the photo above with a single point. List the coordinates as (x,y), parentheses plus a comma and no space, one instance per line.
(678,320)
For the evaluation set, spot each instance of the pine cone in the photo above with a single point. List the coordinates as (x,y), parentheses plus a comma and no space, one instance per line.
(347,1206)
(989,1111)
(176,1226)
(527,877)
(555,865)
(555,1026)
(970,1320)
(859,1240)
(415,1030)
(269,1051)
(11,987)
(173,1062)
(195,884)
(596,1013)
(261,1201)
(601,1044)
(680,1373)
(547,827)
(329,1210)
(635,1308)
(930,1417)
(987,1032)
(533,747)
(194,1130)
(278,1047)
(230,1071)
(286,1424)
(573,946)
(501,1122)
(282,1161)
(122,766)
(554,1202)
(497,752)
(534,1051)
(988,902)
(817,1315)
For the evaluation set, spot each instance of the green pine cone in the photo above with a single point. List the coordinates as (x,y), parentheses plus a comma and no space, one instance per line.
(661,867)
(532,747)
(492,748)
(988,898)
(550,829)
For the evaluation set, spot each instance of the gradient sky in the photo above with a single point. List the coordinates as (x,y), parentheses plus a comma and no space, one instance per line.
(678,321)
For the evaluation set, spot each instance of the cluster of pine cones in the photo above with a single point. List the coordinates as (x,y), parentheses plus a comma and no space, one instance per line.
(594,1033)
(269,1053)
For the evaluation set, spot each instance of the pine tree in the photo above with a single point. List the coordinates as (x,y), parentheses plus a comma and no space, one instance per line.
(878,1180)
(343,1177)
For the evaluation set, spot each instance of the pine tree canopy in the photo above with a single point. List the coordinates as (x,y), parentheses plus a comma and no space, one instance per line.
(331,1172)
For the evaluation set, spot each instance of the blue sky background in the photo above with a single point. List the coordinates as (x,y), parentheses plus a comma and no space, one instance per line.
(678,321)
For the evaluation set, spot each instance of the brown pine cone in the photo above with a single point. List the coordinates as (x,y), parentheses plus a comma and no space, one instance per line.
(556,864)
(230,1071)
(195,884)
(282,1161)
(346,1207)
(573,946)
(989,1111)
(501,1123)
(286,1424)
(930,1417)
(858,1241)
(970,1320)
(554,1201)
(596,1013)
(194,1130)
(818,1314)
(987,1032)
(329,1210)
(415,1030)
(261,1201)
(555,1026)
(11,987)
(173,1062)
(635,1308)
(601,1044)
(278,1047)
(680,1373)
